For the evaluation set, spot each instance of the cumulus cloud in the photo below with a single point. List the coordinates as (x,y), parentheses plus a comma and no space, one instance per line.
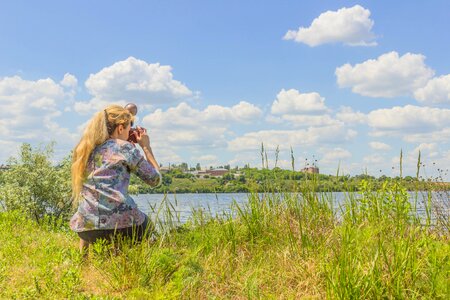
(432,156)
(69,80)
(28,110)
(306,120)
(294,102)
(251,141)
(376,159)
(379,146)
(167,155)
(300,109)
(207,157)
(334,155)
(206,160)
(436,91)
(387,76)
(409,119)
(350,26)
(184,125)
(437,136)
(8,148)
(24,103)
(428,149)
(94,105)
(134,80)
(349,116)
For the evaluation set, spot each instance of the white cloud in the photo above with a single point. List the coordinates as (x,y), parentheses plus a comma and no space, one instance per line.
(437,136)
(167,156)
(184,125)
(69,80)
(94,105)
(8,149)
(134,80)
(294,102)
(409,119)
(299,109)
(305,120)
(334,155)
(183,115)
(428,149)
(243,112)
(374,159)
(246,112)
(28,110)
(349,116)
(205,158)
(437,91)
(387,76)
(24,103)
(351,26)
(432,157)
(379,146)
(251,141)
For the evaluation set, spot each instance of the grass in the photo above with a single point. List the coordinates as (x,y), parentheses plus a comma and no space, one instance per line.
(276,246)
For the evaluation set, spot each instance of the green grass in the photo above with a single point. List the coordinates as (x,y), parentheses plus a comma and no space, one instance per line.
(279,246)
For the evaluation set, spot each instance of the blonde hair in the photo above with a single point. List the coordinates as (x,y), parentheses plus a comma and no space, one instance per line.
(98,130)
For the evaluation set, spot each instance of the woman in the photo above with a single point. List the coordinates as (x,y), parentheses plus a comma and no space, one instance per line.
(101,166)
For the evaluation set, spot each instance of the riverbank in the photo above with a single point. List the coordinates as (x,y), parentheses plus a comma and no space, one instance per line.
(271,182)
(275,246)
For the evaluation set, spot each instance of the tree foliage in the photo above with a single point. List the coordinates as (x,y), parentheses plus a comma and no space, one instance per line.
(36,187)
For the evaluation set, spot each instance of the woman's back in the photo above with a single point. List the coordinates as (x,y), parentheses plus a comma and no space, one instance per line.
(105,201)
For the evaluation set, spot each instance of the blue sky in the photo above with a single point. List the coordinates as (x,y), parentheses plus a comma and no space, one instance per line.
(348,82)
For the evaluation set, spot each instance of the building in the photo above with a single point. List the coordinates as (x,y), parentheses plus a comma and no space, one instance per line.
(310,170)
(210,173)
(217,172)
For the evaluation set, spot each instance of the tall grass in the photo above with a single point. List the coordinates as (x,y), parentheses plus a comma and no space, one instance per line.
(277,245)
(377,244)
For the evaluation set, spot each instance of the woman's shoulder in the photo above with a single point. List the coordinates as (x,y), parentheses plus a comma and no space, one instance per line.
(120,145)
(114,145)
(115,149)
(117,143)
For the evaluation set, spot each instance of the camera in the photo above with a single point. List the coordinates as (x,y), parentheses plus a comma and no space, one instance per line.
(134,132)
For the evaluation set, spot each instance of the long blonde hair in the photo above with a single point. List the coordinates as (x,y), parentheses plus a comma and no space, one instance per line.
(98,130)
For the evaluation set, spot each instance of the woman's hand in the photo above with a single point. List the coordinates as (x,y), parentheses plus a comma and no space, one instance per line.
(142,137)
(144,141)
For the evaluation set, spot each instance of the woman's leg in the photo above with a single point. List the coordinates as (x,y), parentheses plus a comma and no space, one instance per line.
(84,247)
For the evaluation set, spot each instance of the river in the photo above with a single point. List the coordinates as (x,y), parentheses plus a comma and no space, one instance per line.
(216,204)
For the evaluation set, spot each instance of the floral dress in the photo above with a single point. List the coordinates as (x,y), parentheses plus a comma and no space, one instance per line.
(105,201)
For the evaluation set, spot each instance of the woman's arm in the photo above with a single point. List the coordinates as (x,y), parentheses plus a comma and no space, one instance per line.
(150,157)
(143,171)
(144,141)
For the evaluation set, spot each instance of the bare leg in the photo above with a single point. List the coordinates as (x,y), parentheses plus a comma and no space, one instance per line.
(84,247)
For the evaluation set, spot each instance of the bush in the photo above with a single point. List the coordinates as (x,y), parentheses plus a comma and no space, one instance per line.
(36,187)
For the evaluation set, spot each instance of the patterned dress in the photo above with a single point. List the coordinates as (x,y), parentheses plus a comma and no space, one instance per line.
(105,201)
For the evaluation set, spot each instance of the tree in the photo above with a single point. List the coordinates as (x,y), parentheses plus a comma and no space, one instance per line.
(184,166)
(166,179)
(34,186)
(197,167)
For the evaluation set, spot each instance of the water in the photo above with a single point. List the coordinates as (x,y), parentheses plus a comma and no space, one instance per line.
(217,204)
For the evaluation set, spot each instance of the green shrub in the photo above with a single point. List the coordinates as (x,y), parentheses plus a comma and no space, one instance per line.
(36,187)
